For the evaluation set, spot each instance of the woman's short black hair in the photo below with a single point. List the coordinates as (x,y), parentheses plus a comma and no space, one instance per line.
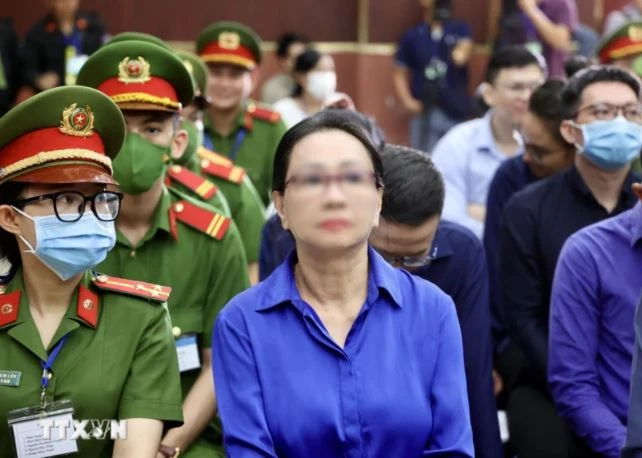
(303,64)
(10,192)
(342,120)
(285,41)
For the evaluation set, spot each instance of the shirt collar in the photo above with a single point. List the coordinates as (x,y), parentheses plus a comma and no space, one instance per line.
(280,287)
(580,186)
(441,246)
(484,137)
(243,119)
(636,227)
(160,220)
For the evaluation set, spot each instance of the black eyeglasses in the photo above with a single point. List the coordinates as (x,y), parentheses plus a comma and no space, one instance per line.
(69,206)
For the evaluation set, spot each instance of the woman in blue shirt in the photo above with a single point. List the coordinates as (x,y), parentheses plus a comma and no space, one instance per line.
(337,354)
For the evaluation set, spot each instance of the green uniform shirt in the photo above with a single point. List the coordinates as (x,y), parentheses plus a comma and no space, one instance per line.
(125,367)
(256,151)
(245,205)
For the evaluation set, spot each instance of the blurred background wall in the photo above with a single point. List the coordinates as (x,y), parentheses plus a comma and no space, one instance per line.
(360,34)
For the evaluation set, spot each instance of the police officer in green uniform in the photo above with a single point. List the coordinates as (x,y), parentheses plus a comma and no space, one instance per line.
(246,206)
(75,344)
(236,127)
(164,238)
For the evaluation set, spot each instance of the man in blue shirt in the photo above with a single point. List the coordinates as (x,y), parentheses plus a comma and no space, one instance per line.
(411,235)
(633,446)
(600,103)
(431,75)
(470,153)
(591,338)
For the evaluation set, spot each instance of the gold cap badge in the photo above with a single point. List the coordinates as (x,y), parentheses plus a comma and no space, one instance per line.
(133,70)
(77,121)
(229,40)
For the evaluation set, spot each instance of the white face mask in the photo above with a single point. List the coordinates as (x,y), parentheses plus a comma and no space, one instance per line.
(322,84)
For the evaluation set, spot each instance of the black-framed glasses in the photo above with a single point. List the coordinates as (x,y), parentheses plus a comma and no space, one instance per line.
(317,183)
(69,206)
(607,111)
(411,262)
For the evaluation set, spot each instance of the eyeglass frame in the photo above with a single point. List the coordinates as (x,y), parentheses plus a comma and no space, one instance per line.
(619,109)
(329,178)
(412,262)
(54,195)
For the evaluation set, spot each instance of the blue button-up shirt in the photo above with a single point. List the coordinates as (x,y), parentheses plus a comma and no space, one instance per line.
(596,288)
(468,157)
(397,389)
(459,270)
(512,176)
(633,447)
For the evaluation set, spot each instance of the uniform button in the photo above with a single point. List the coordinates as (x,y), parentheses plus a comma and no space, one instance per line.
(6,309)
(102,279)
(205,163)
(88,304)
(2,289)
(132,254)
(179,207)
(176,331)
(176,168)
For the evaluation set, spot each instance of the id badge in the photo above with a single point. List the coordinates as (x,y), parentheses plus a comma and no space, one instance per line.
(41,433)
(187,350)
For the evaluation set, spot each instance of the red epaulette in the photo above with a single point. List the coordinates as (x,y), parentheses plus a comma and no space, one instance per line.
(214,158)
(232,173)
(149,291)
(200,186)
(264,114)
(9,307)
(206,221)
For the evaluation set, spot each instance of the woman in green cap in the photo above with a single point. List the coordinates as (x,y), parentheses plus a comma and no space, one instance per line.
(87,367)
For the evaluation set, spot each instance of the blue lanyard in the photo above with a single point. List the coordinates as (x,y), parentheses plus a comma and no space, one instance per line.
(208,142)
(75,40)
(46,367)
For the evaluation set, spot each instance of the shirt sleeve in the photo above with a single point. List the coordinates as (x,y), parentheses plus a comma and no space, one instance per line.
(573,337)
(452,436)
(522,279)
(450,158)
(403,55)
(498,195)
(229,279)
(633,446)
(473,312)
(249,216)
(564,13)
(155,360)
(238,391)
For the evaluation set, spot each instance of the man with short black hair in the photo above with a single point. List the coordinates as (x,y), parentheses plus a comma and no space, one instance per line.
(470,153)
(281,85)
(411,235)
(598,104)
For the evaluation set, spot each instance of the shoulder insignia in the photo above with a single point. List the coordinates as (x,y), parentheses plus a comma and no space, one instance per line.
(231,173)
(9,307)
(200,186)
(87,307)
(156,293)
(214,158)
(264,114)
(205,221)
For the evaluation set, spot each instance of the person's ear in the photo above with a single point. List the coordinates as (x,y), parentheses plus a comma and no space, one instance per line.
(9,220)
(279,206)
(379,204)
(571,133)
(488,94)
(179,144)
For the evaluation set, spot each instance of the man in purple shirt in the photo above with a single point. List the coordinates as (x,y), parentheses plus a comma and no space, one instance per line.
(591,338)
(551,24)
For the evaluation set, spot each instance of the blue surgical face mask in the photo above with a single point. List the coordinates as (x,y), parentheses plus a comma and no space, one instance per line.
(613,144)
(68,249)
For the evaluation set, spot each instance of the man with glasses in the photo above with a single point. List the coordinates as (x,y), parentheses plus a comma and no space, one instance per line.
(602,114)
(412,235)
(470,153)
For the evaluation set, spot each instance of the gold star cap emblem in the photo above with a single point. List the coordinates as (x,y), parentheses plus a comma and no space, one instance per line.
(77,121)
(229,40)
(133,70)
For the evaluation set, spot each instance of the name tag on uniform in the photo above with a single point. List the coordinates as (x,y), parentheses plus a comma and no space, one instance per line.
(188,356)
(39,433)
(10,378)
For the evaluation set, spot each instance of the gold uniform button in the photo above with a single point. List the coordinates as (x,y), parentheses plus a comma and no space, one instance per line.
(179,207)
(205,163)
(176,331)
(88,304)
(2,289)
(132,254)
(176,168)
(102,279)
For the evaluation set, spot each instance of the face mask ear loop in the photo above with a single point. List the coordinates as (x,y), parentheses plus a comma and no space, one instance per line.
(30,250)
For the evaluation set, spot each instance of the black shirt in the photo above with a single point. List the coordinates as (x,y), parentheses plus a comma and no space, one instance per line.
(45,45)
(535,224)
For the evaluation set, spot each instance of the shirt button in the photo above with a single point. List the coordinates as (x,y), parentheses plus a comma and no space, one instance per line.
(176,331)
(132,254)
